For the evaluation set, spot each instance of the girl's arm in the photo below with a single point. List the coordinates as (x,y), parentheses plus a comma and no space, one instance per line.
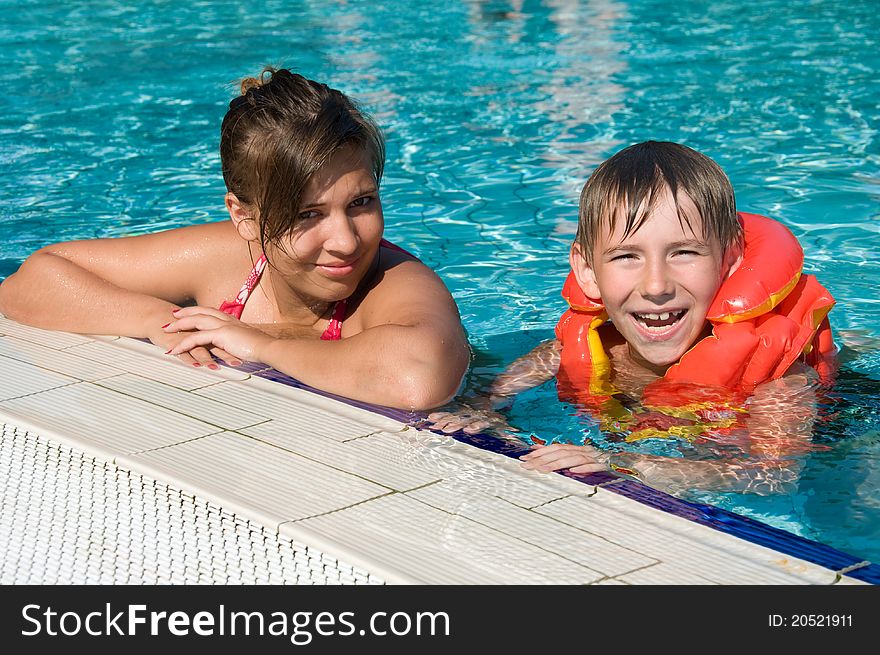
(411,351)
(126,286)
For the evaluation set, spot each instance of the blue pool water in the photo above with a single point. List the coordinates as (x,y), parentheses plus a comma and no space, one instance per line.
(495,114)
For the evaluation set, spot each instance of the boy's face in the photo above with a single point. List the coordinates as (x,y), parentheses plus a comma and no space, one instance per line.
(657,284)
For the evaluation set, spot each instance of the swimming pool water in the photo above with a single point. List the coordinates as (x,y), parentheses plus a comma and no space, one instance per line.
(495,114)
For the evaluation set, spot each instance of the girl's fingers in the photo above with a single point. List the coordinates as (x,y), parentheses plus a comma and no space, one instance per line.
(203,357)
(196,322)
(183,312)
(187,359)
(224,356)
(202,338)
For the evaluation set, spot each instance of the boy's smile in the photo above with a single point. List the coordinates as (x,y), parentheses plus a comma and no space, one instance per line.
(656,284)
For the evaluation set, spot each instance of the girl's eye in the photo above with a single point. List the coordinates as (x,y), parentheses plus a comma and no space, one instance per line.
(308,214)
(363,201)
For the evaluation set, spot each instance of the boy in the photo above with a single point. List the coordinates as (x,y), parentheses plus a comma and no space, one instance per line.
(658,245)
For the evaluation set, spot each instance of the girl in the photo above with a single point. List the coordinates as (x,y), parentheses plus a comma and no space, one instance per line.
(325,299)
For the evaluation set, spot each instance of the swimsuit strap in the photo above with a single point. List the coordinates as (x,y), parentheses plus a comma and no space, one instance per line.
(236,306)
(333,332)
(334,328)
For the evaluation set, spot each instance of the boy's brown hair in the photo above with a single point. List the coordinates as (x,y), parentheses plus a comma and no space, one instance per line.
(627,186)
(278,133)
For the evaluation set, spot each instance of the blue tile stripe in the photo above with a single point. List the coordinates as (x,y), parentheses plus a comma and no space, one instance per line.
(713,517)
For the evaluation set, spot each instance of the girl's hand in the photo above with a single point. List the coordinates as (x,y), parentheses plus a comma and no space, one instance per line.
(207,331)
(197,356)
(558,456)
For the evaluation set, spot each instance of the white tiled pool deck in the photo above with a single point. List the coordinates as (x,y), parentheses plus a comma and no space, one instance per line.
(403,505)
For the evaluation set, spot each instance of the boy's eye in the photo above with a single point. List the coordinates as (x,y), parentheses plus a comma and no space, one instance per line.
(623,257)
(307,214)
(686,252)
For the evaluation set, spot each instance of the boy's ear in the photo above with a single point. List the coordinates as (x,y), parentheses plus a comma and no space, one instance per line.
(733,258)
(242,217)
(583,272)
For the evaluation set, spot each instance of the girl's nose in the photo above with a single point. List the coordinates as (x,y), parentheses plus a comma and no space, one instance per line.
(341,235)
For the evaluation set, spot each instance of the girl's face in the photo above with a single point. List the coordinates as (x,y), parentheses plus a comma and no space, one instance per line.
(337,235)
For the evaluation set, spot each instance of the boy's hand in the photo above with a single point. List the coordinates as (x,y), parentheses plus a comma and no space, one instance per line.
(469,420)
(558,456)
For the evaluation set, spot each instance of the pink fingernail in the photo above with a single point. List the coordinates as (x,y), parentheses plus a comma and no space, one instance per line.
(165,326)
(196,364)
(168,352)
(174,311)
(213,367)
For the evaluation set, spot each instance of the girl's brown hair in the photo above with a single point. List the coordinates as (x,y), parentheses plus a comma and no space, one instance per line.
(278,133)
(627,186)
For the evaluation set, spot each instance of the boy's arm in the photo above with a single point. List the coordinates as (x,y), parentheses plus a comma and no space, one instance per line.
(530,370)
(779,426)
(478,414)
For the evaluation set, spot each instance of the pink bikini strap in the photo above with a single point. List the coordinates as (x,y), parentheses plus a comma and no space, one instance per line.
(334,327)
(236,306)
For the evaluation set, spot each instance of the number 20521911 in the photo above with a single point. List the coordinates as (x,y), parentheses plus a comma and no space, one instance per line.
(810,621)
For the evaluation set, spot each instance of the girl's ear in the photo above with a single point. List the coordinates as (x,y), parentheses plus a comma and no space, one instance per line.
(242,217)
(583,272)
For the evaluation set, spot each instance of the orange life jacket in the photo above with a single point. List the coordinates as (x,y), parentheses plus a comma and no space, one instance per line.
(765,316)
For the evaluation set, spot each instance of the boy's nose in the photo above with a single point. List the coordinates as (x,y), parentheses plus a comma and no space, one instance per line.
(657,284)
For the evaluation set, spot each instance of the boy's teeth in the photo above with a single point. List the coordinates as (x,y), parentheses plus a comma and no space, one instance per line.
(660,317)
(659,320)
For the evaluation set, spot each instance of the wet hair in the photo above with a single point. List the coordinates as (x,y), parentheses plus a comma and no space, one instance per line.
(628,185)
(278,133)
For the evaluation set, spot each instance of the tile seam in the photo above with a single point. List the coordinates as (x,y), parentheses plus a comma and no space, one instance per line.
(56,371)
(165,407)
(363,436)
(690,530)
(317,461)
(838,575)
(660,563)
(512,536)
(574,527)
(391,492)
(579,529)
(74,381)
(546,502)
(171,445)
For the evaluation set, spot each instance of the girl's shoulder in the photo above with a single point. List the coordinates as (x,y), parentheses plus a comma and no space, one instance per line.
(212,255)
(400,271)
(402,289)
